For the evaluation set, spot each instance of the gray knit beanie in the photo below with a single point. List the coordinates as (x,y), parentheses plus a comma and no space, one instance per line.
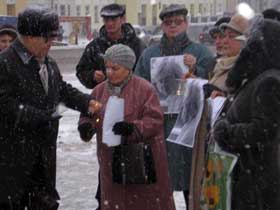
(121,54)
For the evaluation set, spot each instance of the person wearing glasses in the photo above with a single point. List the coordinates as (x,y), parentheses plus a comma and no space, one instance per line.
(91,68)
(175,41)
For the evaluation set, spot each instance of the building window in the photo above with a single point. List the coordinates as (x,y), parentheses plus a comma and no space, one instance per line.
(78,10)
(220,7)
(154,14)
(143,14)
(192,10)
(205,9)
(55,8)
(200,9)
(62,10)
(87,10)
(96,14)
(11,9)
(69,10)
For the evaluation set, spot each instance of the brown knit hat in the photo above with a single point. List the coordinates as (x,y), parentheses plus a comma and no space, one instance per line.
(237,23)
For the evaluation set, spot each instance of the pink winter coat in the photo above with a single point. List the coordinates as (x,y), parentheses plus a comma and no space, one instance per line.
(143,109)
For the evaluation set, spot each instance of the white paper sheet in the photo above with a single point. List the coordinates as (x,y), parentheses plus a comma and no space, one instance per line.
(215,107)
(114,112)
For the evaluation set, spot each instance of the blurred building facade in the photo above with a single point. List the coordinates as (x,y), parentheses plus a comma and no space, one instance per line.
(12,7)
(141,12)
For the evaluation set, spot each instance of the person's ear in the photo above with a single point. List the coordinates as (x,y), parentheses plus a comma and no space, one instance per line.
(123,19)
(187,23)
(161,25)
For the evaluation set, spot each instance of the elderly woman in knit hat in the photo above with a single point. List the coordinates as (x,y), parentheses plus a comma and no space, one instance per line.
(7,35)
(142,112)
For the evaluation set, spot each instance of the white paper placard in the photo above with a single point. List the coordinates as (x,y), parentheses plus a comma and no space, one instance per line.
(114,112)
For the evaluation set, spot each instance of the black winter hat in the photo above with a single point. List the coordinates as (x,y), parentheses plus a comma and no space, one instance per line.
(38,21)
(173,9)
(112,10)
(8,29)
(271,14)
(215,28)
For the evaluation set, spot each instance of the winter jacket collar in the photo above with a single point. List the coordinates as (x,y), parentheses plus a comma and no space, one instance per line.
(26,56)
(176,47)
(22,51)
(117,90)
(127,30)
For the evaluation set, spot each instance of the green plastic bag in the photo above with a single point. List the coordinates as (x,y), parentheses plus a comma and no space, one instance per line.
(216,185)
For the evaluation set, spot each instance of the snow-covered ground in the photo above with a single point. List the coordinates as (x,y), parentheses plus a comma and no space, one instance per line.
(77,166)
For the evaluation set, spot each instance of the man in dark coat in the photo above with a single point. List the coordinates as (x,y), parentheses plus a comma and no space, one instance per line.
(250,128)
(31,89)
(91,68)
(197,58)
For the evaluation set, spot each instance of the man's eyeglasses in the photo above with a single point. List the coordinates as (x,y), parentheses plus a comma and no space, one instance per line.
(176,22)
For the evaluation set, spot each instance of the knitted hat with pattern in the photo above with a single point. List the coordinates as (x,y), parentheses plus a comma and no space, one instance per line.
(120,54)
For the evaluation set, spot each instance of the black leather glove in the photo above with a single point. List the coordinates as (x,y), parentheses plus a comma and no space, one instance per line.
(86,131)
(209,88)
(221,132)
(123,128)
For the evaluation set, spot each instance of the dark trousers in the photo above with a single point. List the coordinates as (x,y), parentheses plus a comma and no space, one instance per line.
(186,196)
(98,193)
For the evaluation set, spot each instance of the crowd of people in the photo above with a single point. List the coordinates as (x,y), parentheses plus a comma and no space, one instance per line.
(116,65)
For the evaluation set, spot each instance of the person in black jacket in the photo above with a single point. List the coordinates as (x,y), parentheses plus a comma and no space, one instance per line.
(91,67)
(31,89)
(250,127)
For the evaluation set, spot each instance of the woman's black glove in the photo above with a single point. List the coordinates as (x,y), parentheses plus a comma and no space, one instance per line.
(86,131)
(209,88)
(123,128)
(221,132)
